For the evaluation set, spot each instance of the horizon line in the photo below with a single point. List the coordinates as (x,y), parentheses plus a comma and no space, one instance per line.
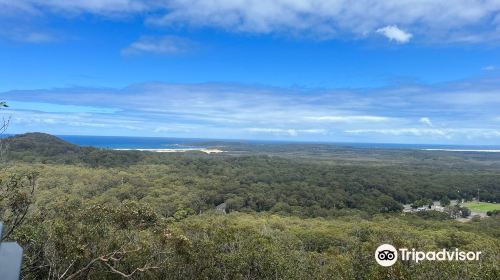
(269,141)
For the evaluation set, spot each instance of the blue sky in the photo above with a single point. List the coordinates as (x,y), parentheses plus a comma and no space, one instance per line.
(316,70)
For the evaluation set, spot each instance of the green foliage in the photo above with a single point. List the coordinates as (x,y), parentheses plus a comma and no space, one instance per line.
(465,212)
(16,196)
(241,246)
(101,214)
(40,145)
(433,215)
(45,148)
(445,201)
(421,203)
(457,211)
(493,213)
(81,240)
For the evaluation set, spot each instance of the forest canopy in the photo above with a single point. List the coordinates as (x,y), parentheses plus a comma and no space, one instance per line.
(105,214)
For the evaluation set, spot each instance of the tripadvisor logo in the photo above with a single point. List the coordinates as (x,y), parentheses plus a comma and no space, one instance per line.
(387,255)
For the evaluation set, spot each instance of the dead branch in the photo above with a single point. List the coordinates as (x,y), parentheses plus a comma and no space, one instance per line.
(115,256)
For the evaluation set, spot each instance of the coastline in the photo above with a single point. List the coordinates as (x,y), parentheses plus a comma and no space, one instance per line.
(463,150)
(204,150)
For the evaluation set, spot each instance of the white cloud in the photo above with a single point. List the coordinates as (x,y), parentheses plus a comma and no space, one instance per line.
(426,121)
(51,121)
(490,68)
(463,110)
(402,131)
(289,131)
(172,128)
(27,35)
(92,6)
(37,37)
(392,32)
(167,45)
(34,120)
(445,133)
(466,21)
(348,119)
(9,8)
(340,18)
(90,124)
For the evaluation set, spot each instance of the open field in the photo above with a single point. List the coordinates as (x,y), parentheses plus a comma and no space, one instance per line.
(482,206)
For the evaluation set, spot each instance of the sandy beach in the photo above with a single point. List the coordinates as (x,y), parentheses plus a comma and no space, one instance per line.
(204,150)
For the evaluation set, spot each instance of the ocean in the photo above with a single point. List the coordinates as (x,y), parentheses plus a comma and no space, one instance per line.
(128,142)
(123,142)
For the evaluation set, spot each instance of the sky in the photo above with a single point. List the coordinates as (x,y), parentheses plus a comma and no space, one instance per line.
(393,71)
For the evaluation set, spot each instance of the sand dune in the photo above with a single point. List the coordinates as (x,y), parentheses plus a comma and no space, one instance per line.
(204,150)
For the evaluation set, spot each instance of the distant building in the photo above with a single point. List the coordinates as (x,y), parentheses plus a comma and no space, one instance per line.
(438,208)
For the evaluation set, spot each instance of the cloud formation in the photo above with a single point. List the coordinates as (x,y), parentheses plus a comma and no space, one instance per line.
(393,33)
(27,35)
(470,21)
(348,119)
(165,45)
(426,121)
(470,134)
(490,68)
(460,112)
(287,132)
(102,7)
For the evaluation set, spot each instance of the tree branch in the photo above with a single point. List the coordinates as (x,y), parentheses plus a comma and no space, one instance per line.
(115,256)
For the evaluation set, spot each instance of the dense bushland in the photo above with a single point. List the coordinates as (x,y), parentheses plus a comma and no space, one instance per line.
(101,214)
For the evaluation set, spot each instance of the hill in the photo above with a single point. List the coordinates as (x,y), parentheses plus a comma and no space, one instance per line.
(46,148)
(139,210)
(41,144)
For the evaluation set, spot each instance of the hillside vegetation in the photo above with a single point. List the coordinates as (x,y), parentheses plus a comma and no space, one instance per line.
(103,214)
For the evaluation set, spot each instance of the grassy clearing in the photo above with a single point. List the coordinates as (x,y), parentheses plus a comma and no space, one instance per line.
(482,206)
